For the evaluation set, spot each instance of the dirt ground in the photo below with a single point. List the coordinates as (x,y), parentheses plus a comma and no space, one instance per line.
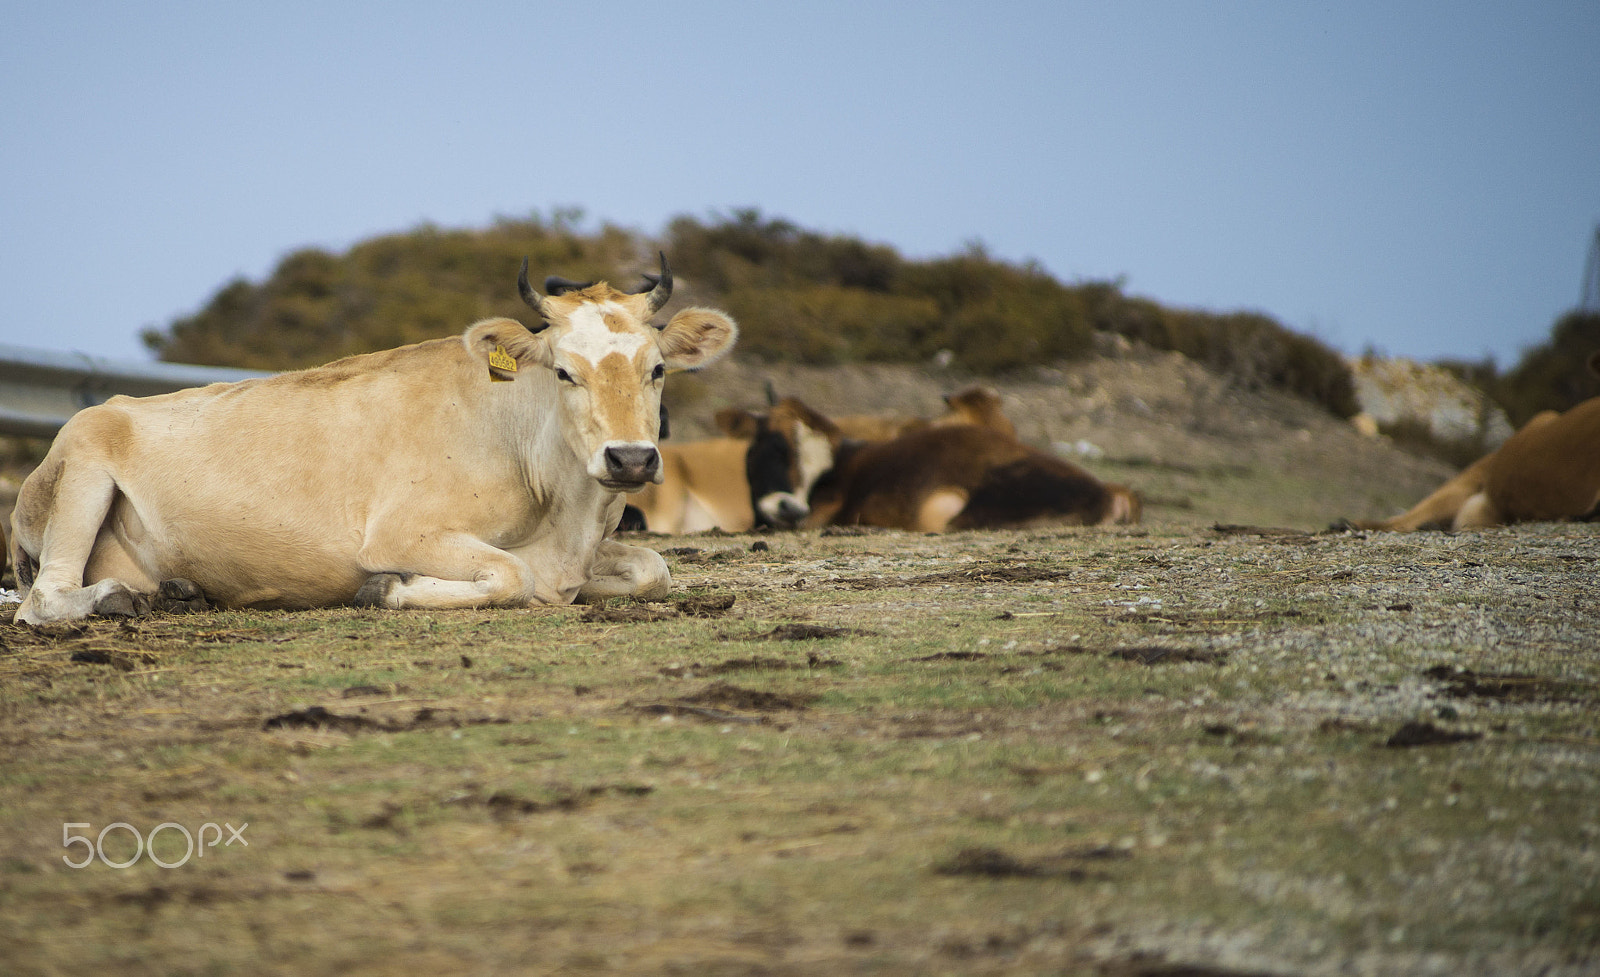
(1223,742)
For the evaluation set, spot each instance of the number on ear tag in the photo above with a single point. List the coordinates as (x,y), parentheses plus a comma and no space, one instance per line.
(501,360)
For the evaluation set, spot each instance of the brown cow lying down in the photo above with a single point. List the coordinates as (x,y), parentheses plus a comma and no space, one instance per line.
(1549,470)
(479,470)
(973,405)
(756,476)
(962,476)
(980,406)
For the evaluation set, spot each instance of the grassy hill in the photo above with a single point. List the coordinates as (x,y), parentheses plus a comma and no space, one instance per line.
(800,296)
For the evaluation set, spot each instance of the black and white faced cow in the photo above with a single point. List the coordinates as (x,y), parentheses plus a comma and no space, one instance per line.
(479,470)
(757,475)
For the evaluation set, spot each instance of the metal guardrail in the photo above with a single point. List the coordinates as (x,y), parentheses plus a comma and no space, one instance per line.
(40,389)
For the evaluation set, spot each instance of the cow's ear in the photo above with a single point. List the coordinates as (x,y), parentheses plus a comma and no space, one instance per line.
(1594,364)
(505,347)
(696,338)
(736,423)
(790,410)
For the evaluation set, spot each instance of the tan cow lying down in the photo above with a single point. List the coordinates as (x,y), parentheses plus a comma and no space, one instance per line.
(758,475)
(962,476)
(478,470)
(1549,470)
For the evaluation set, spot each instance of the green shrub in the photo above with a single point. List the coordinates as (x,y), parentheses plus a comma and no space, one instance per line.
(798,295)
(1554,375)
(1250,348)
(386,291)
(827,324)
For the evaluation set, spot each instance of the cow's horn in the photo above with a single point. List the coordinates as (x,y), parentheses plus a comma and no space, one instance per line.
(649,285)
(531,297)
(662,289)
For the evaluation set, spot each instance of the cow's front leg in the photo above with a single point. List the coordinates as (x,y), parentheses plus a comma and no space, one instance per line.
(439,572)
(59,522)
(620,570)
(107,598)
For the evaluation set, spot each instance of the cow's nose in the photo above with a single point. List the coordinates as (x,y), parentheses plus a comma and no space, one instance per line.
(632,463)
(782,509)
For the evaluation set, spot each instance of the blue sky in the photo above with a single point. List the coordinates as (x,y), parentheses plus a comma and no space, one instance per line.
(1419,178)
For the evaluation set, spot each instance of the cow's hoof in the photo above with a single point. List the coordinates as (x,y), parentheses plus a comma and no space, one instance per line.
(180,596)
(121,602)
(375,592)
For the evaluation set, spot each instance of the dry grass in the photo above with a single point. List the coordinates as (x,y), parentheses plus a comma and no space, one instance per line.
(1154,751)
(1070,751)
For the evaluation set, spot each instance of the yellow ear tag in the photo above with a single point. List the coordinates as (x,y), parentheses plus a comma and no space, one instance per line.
(501,360)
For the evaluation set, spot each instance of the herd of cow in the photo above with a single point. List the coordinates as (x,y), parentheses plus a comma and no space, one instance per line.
(496,469)
(792,467)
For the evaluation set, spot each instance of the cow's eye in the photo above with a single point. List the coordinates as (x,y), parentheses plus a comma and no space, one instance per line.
(563,375)
(659,372)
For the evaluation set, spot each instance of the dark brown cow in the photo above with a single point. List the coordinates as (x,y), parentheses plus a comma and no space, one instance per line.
(962,476)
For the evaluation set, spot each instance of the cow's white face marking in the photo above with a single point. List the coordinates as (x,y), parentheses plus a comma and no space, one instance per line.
(591,338)
(816,456)
(609,363)
(813,456)
(606,367)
